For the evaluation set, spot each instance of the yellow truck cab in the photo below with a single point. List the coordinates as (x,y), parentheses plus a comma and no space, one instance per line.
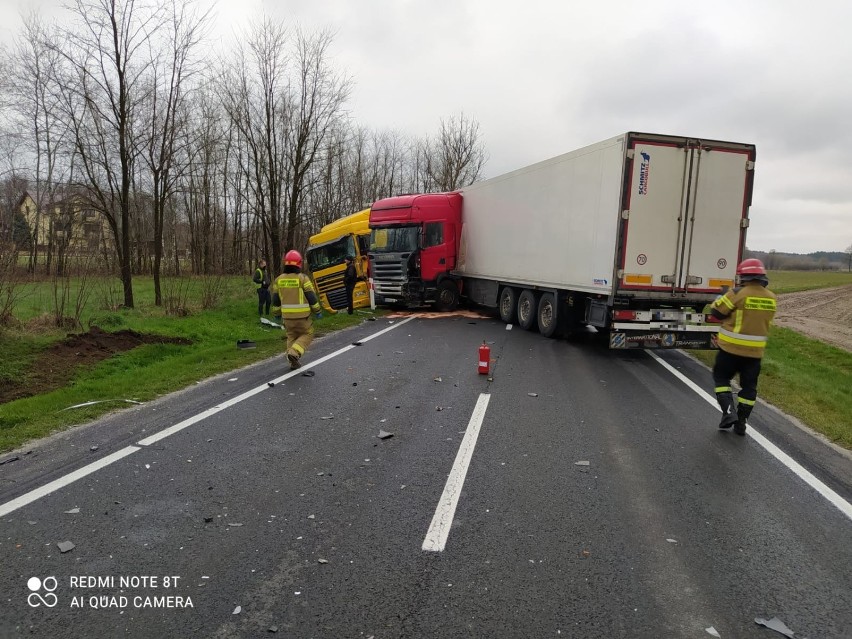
(327,251)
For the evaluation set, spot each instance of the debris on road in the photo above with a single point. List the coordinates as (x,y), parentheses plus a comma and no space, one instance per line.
(357,343)
(273,628)
(233,523)
(439,408)
(9,460)
(101,401)
(270,384)
(66,546)
(237,610)
(327,417)
(581,463)
(508,327)
(233,379)
(533,394)
(93,448)
(438,379)
(322,561)
(312,516)
(384,434)
(712,631)
(672,541)
(73,511)
(308,374)
(775,624)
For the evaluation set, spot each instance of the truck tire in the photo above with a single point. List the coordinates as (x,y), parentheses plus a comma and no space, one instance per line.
(548,320)
(508,305)
(527,310)
(448,296)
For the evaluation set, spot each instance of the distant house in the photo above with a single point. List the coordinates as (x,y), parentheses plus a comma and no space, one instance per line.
(68,226)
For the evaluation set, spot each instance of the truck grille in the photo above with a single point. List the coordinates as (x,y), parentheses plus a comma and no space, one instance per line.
(334,289)
(388,277)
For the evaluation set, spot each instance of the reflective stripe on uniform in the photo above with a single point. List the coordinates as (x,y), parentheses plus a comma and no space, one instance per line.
(760,304)
(722,389)
(752,341)
(747,402)
(726,301)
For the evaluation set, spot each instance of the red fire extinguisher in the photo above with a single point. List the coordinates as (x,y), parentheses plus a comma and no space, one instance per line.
(484,358)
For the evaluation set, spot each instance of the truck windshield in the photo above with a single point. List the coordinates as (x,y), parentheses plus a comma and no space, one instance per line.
(331,254)
(394,239)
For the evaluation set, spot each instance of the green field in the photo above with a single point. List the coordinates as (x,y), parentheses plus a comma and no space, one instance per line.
(805,378)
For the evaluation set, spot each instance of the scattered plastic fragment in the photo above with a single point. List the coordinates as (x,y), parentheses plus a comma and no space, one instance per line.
(322,561)
(357,343)
(93,448)
(438,379)
(581,463)
(66,546)
(263,320)
(73,511)
(312,516)
(233,523)
(308,374)
(712,631)
(439,408)
(327,417)
(148,466)
(233,379)
(237,610)
(273,628)
(672,541)
(775,624)
(533,394)
(32,523)
(102,401)
(384,434)
(508,327)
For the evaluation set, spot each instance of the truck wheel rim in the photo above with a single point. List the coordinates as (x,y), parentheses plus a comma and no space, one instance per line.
(546,315)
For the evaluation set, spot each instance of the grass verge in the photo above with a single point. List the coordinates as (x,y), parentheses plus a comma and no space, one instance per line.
(807,379)
(147,371)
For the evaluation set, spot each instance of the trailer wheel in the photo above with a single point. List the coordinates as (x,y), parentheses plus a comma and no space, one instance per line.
(508,305)
(527,305)
(548,323)
(448,296)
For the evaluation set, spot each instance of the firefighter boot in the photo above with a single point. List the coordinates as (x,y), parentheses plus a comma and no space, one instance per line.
(294,361)
(726,403)
(743,411)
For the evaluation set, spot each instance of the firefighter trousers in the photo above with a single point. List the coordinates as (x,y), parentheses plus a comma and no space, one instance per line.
(300,334)
(724,369)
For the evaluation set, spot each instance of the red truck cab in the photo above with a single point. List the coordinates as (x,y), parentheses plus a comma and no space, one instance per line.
(414,247)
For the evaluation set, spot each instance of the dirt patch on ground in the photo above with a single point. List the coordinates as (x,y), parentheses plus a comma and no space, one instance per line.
(58,365)
(824,314)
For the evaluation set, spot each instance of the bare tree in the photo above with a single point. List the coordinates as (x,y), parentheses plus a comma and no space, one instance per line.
(316,107)
(171,67)
(458,157)
(848,251)
(101,89)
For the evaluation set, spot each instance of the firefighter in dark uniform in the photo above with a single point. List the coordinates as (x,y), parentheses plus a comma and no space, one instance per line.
(350,277)
(746,313)
(294,300)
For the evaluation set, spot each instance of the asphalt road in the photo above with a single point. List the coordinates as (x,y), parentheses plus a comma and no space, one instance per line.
(283,502)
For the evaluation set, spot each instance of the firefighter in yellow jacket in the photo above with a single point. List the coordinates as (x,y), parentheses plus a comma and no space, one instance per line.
(745,313)
(294,299)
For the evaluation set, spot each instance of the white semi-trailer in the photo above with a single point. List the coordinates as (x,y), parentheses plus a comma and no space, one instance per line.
(633,235)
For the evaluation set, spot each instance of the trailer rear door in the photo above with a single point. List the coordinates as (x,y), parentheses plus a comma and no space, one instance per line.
(685,209)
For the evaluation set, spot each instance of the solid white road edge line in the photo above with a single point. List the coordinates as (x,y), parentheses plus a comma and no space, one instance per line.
(63,481)
(439,529)
(805,475)
(55,485)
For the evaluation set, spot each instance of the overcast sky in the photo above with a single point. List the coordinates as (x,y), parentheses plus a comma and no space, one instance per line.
(545,77)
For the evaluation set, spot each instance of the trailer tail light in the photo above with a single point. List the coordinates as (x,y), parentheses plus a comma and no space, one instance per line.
(622,316)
